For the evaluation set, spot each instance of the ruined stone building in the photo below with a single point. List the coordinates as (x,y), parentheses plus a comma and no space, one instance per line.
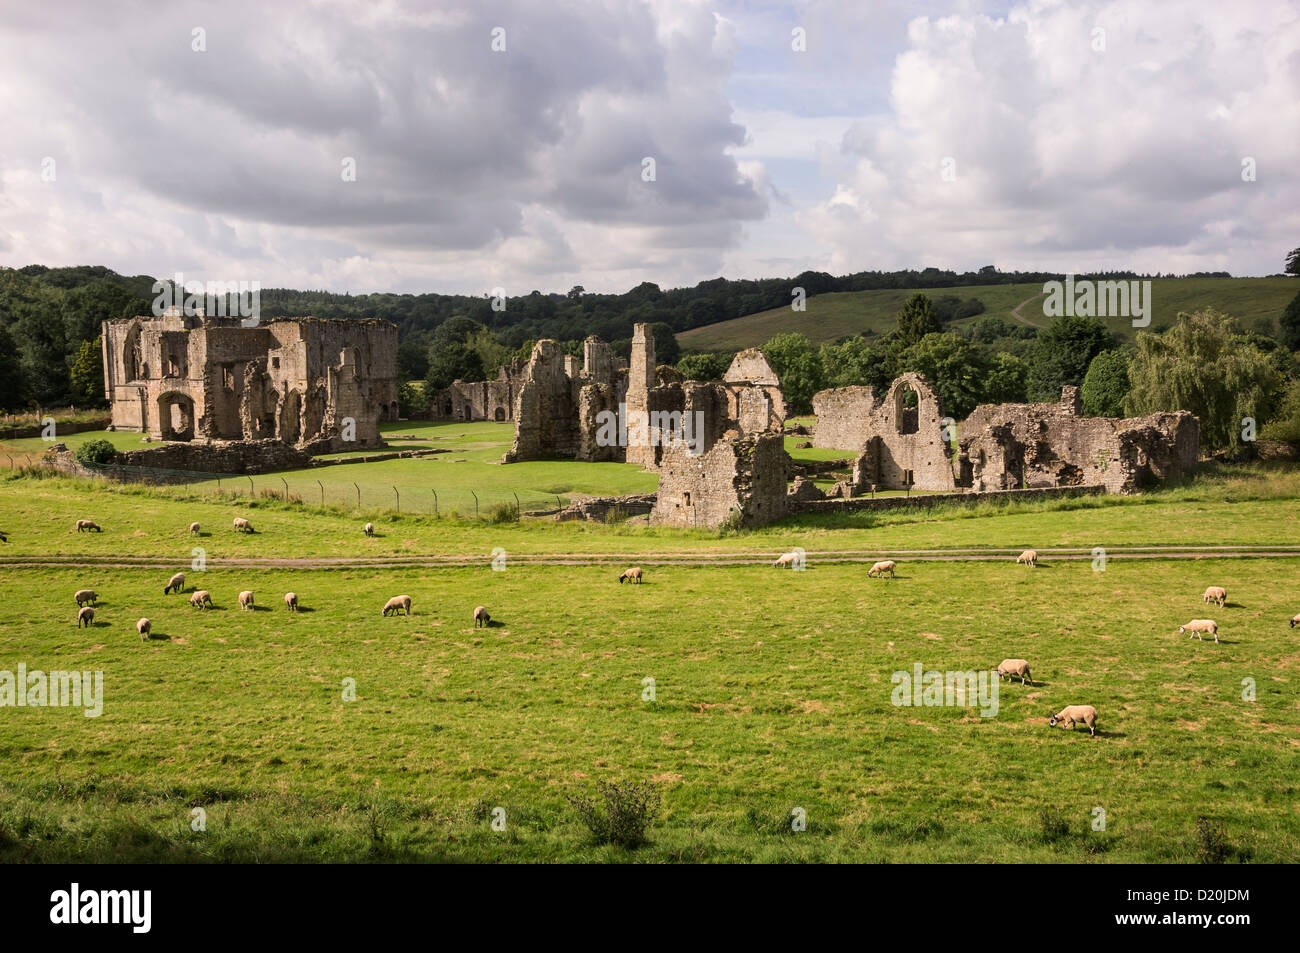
(559,407)
(305,382)
(904,439)
(480,400)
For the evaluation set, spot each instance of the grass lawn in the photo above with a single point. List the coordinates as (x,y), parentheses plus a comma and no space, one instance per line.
(762,704)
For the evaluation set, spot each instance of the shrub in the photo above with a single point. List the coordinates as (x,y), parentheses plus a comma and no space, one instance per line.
(1053,824)
(627,811)
(503,513)
(96,453)
(1211,843)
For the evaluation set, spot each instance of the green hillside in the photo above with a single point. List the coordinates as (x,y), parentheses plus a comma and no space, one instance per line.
(835,315)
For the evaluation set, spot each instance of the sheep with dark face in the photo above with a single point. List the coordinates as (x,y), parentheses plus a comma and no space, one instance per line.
(369,529)
(242,525)
(84,596)
(85,616)
(291,600)
(481,617)
(398,605)
(86,526)
(246,599)
(1071,715)
(175,584)
(630,575)
(1295,620)
(194,529)
(143,627)
(1215,594)
(201,598)
(1029,557)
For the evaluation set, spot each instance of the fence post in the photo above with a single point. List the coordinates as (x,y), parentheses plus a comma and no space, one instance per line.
(286,488)
(322,493)
(218,484)
(518,509)
(475,495)
(358,497)
(252,490)
(398,508)
(435,502)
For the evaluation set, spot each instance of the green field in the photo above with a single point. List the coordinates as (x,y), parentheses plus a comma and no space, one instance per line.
(840,314)
(772,690)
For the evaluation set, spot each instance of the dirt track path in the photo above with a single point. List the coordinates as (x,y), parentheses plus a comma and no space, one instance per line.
(454,561)
(1015,312)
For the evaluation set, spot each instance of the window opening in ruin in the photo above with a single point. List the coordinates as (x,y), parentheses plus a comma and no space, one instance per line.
(907,411)
(275,363)
(687,498)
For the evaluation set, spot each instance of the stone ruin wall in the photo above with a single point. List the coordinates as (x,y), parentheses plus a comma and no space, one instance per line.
(745,475)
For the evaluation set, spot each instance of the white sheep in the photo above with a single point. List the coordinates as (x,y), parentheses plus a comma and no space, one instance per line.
(291,600)
(194,529)
(785,559)
(1073,714)
(1011,667)
(143,627)
(246,599)
(175,584)
(201,598)
(398,603)
(630,576)
(1029,557)
(882,567)
(1197,626)
(242,525)
(85,526)
(1215,594)
(1295,620)
(369,529)
(481,617)
(85,595)
(85,616)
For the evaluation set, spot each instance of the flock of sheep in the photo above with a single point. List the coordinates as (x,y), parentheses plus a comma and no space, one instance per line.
(1071,715)
(1068,717)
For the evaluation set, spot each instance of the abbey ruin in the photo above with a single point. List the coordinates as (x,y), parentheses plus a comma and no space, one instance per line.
(734,466)
(314,384)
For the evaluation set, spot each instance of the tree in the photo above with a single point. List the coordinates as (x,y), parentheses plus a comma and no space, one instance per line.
(917,319)
(798,366)
(87,376)
(1105,385)
(1293,262)
(667,350)
(95,453)
(13,381)
(412,361)
(1006,381)
(454,362)
(704,367)
(856,361)
(1290,323)
(1203,365)
(1062,353)
(953,366)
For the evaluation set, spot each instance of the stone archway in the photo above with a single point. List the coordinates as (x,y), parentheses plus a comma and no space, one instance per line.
(176,416)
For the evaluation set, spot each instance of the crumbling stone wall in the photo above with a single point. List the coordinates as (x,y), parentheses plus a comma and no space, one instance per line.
(744,475)
(295,380)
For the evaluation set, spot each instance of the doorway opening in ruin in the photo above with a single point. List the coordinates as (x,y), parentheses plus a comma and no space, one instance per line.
(176,416)
(499,415)
(907,410)
(291,417)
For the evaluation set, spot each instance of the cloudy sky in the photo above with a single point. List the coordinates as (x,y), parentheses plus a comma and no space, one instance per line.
(220,139)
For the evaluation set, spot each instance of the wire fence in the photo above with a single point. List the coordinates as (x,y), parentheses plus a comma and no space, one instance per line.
(332,490)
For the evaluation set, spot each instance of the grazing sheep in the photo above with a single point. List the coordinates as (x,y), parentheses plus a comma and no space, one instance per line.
(291,600)
(1295,620)
(246,599)
(1215,594)
(143,627)
(85,595)
(1197,626)
(194,529)
(4,537)
(1011,667)
(242,525)
(175,584)
(398,603)
(631,575)
(369,529)
(85,616)
(785,559)
(1029,557)
(1073,714)
(880,568)
(201,598)
(481,617)
(85,526)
